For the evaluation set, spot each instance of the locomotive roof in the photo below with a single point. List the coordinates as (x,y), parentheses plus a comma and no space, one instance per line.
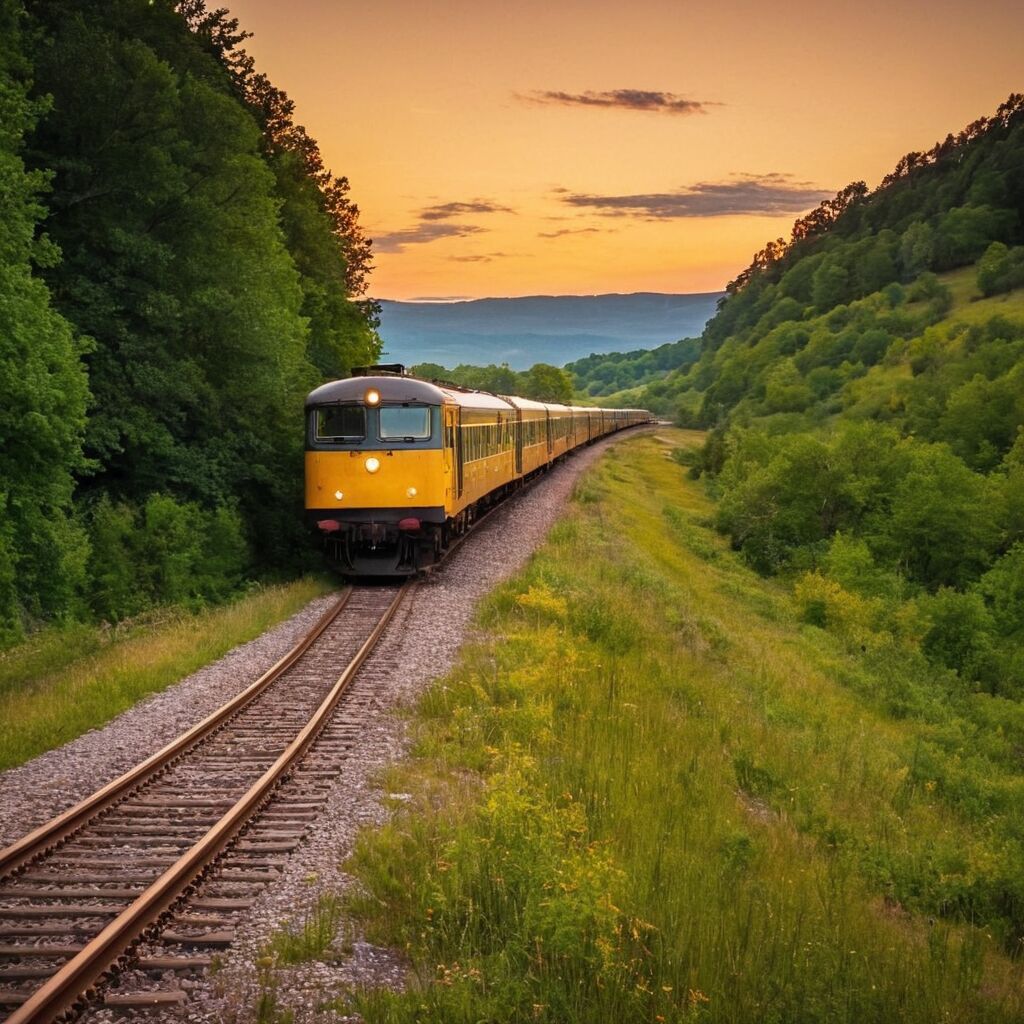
(402,389)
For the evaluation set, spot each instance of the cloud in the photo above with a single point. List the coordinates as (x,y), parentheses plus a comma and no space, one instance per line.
(651,100)
(486,257)
(570,231)
(765,195)
(431,226)
(444,211)
(420,234)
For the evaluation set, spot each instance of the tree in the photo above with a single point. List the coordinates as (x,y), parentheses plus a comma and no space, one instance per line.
(174,263)
(43,389)
(547,383)
(830,286)
(917,249)
(1000,269)
(945,521)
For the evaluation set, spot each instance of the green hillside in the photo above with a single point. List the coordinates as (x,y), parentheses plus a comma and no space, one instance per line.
(864,383)
(600,375)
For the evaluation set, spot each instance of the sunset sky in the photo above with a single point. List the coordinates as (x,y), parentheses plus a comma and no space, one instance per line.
(568,147)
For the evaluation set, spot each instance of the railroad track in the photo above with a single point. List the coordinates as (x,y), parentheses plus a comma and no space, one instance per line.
(137,887)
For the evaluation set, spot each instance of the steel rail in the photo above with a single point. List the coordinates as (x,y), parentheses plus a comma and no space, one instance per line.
(75,979)
(38,841)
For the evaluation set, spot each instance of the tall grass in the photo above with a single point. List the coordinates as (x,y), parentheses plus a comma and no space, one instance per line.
(652,795)
(62,683)
(309,939)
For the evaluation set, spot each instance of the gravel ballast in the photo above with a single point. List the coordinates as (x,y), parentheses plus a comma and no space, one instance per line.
(420,645)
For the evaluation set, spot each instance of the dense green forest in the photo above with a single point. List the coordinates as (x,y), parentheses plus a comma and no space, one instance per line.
(864,388)
(177,269)
(542,382)
(603,374)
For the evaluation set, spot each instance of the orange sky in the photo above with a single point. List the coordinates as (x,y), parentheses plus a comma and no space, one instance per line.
(539,146)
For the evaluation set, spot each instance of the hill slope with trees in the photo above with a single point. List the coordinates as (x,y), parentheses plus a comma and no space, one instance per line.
(177,270)
(864,386)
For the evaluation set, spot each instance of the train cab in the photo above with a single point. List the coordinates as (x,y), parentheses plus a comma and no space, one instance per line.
(379,458)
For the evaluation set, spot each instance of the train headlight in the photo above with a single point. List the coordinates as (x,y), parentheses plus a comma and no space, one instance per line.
(411,492)
(338,495)
(372,397)
(372,464)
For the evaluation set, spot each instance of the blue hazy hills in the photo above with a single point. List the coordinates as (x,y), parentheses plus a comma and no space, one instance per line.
(538,328)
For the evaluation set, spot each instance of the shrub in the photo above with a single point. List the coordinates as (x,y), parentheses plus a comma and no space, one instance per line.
(960,631)
(1000,269)
(169,553)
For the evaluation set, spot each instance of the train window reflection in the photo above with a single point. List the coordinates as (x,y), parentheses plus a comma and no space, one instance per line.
(404,422)
(340,423)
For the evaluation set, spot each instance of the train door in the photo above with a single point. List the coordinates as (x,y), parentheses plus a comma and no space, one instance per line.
(517,437)
(547,422)
(459,453)
(453,448)
(448,446)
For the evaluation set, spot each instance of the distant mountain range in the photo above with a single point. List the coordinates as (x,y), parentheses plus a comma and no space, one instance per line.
(538,328)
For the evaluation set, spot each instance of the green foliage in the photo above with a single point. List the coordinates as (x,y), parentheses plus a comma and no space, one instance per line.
(1000,269)
(309,939)
(168,552)
(43,388)
(600,375)
(945,522)
(542,382)
(204,272)
(547,383)
(960,631)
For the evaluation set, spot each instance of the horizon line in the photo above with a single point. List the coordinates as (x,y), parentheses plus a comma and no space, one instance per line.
(450,300)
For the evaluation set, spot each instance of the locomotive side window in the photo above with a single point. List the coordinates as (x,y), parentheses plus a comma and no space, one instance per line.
(404,423)
(340,423)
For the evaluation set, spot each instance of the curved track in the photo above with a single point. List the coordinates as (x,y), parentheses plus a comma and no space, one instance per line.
(150,871)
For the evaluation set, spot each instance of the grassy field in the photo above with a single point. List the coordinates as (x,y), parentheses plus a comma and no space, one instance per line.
(652,794)
(968,304)
(64,682)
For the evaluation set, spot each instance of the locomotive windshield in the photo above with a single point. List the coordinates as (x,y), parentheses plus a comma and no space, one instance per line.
(404,422)
(340,423)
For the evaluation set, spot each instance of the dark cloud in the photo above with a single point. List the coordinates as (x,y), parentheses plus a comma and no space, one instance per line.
(622,99)
(766,195)
(396,241)
(484,257)
(569,231)
(444,211)
(431,226)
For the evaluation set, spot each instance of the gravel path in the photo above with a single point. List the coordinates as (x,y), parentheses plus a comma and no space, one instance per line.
(420,645)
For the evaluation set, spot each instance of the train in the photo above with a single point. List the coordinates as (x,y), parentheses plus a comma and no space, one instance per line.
(397,467)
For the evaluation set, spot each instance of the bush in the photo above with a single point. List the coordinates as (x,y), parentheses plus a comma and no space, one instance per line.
(945,519)
(1000,269)
(823,602)
(960,632)
(169,553)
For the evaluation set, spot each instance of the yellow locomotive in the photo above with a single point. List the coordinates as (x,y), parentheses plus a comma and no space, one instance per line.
(397,466)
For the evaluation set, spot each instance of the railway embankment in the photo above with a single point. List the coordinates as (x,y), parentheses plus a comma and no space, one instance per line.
(649,791)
